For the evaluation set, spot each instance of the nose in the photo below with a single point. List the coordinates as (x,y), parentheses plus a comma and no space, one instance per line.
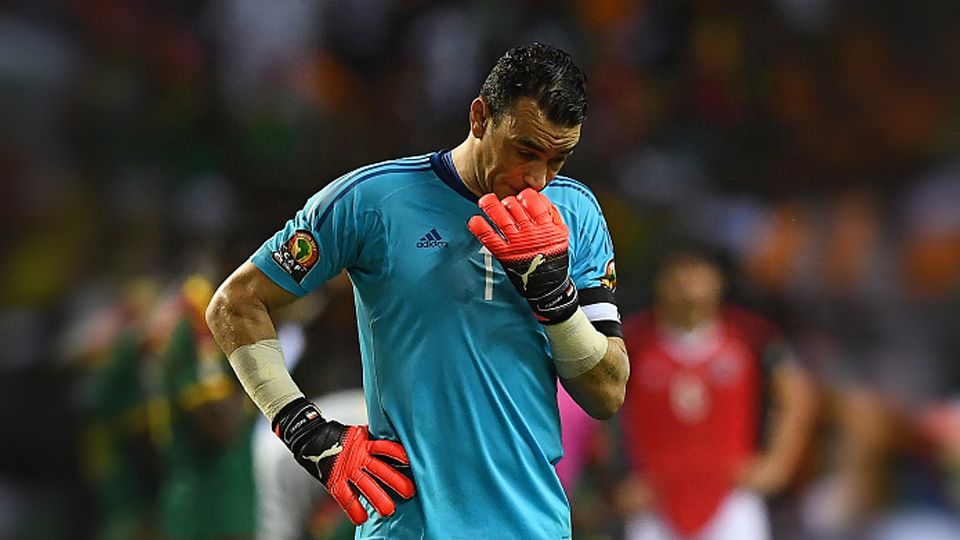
(536,178)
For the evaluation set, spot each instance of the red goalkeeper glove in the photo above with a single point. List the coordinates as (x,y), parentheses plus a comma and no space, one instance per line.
(342,458)
(532,247)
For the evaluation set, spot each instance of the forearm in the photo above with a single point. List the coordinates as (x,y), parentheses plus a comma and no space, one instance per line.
(792,420)
(532,244)
(592,367)
(601,391)
(239,318)
(792,429)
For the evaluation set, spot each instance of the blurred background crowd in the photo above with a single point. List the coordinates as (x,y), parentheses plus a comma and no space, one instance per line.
(147,148)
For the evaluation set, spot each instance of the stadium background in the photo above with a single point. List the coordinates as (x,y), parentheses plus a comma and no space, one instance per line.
(814,143)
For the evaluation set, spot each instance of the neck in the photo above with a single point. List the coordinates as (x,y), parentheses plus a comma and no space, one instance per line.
(688,320)
(465,162)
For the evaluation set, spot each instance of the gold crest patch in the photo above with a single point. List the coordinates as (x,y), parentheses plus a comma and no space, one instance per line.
(298,254)
(609,279)
(303,249)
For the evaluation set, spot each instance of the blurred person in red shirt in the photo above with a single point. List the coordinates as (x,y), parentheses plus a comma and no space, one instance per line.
(694,413)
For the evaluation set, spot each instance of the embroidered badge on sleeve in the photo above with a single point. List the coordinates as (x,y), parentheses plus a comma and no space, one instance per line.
(609,279)
(297,255)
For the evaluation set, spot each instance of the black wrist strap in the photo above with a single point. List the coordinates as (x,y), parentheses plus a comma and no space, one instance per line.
(557,305)
(296,420)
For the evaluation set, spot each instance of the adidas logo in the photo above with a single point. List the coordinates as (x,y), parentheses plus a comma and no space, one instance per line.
(431,239)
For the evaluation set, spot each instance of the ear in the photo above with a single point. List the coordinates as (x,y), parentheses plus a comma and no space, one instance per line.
(479,117)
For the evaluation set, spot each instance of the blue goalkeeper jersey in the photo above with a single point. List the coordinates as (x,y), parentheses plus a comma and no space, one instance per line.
(455,366)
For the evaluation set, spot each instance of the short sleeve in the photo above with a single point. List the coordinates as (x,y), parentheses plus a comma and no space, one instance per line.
(593,262)
(592,266)
(323,238)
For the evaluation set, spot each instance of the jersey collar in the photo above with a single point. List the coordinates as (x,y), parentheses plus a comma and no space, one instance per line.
(442,163)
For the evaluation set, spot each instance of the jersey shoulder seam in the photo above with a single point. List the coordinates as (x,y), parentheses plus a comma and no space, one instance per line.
(579,187)
(395,191)
(352,180)
(345,178)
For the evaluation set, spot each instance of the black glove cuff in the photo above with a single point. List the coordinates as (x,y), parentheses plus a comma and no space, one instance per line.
(557,305)
(295,421)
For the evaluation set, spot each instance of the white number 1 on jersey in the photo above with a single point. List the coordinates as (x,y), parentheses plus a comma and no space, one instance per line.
(488,273)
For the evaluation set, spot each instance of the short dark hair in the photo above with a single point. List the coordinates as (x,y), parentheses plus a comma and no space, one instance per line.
(686,251)
(544,73)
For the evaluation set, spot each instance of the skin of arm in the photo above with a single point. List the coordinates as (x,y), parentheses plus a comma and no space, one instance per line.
(601,390)
(239,313)
(794,414)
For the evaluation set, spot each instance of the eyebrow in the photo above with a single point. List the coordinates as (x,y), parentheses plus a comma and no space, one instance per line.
(536,147)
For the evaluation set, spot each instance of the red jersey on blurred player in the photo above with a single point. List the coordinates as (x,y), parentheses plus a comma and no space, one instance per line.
(693,411)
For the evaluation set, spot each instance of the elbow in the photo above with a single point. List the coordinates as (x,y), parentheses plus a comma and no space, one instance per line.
(609,395)
(610,402)
(604,402)
(210,314)
(217,308)
(614,392)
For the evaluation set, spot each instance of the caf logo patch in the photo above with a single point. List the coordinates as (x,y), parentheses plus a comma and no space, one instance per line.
(609,279)
(297,255)
(303,249)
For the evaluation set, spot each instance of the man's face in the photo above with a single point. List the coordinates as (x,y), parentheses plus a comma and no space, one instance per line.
(689,293)
(524,149)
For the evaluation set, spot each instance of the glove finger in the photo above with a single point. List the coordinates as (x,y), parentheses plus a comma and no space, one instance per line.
(390,449)
(486,234)
(356,512)
(537,205)
(374,494)
(557,218)
(348,499)
(498,214)
(516,210)
(391,477)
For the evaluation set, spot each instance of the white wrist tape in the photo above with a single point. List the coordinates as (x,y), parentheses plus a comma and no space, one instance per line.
(264,376)
(577,346)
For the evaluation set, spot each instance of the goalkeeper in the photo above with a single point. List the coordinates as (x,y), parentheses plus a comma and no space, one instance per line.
(464,329)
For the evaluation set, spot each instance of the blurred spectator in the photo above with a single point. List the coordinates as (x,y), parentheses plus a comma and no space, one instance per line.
(695,411)
(885,339)
(121,460)
(205,429)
